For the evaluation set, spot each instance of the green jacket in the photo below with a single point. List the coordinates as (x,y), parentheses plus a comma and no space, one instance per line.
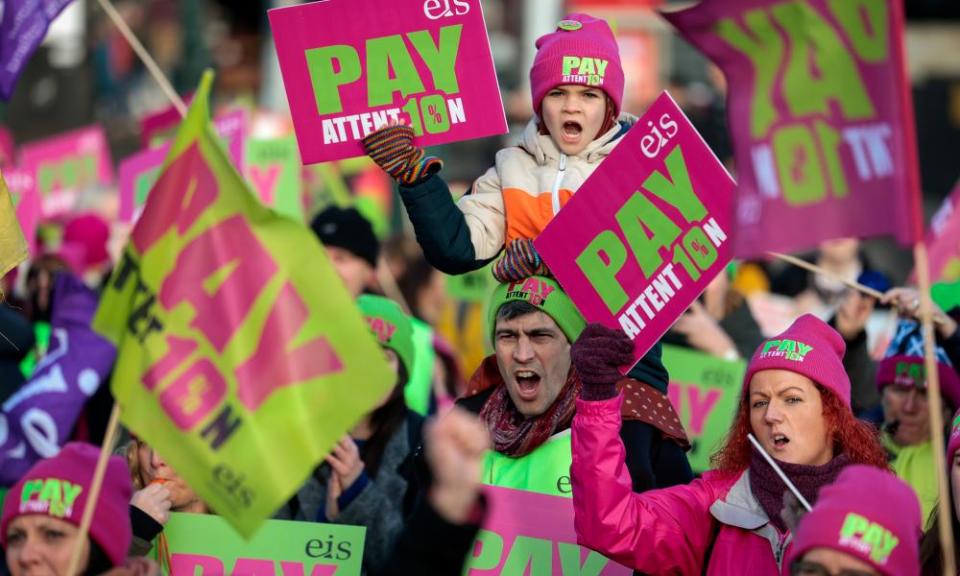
(915,465)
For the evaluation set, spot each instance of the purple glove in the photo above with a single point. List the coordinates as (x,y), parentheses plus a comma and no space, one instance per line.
(597,355)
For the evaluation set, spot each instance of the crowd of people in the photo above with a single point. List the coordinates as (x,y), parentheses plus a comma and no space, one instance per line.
(550,410)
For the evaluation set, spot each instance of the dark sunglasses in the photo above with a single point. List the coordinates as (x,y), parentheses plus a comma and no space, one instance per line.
(800,568)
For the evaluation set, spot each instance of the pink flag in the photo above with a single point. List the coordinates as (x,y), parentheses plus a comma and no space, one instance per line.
(943,240)
(821,118)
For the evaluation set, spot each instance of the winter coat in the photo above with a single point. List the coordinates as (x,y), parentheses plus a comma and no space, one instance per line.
(951,345)
(379,507)
(914,465)
(714,525)
(527,186)
(515,198)
(862,369)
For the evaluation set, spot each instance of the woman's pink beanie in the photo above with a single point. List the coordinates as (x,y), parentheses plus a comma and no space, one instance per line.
(809,347)
(60,486)
(954,444)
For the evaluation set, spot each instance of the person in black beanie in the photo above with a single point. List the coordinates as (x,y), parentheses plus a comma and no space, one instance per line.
(351,245)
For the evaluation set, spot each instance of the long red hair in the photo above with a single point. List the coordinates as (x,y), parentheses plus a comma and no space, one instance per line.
(857,439)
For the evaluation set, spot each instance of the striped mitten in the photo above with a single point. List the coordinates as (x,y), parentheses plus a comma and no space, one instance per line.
(392,148)
(520,260)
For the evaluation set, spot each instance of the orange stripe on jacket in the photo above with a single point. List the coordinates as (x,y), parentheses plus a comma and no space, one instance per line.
(528,215)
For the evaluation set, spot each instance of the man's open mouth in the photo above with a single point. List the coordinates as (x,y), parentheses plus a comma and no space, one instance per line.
(528,382)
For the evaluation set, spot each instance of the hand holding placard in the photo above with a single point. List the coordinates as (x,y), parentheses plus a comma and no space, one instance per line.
(647,231)
(392,148)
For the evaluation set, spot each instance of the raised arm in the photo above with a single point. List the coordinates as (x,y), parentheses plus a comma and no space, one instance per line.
(663,531)
(454,239)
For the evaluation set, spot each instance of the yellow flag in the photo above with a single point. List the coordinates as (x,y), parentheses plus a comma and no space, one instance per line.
(13,247)
(241,357)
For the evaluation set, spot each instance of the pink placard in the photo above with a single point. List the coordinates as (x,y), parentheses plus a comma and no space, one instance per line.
(64,165)
(820,114)
(138,173)
(347,71)
(529,529)
(943,240)
(645,234)
(26,202)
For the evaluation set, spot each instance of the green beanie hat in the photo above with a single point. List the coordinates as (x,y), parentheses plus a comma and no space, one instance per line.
(546,295)
(390,325)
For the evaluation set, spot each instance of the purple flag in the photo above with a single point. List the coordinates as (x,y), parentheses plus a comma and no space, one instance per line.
(37,420)
(23,24)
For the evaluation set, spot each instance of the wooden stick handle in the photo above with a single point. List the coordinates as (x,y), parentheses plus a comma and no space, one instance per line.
(935,405)
(823,272)
(105,451)
(389,286)
(145,56)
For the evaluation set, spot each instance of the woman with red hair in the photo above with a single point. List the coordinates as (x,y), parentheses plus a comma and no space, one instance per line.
(796,402)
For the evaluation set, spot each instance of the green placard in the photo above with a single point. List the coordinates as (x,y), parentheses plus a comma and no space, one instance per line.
(273,169)
(203,545)
(946,294)
(704,390)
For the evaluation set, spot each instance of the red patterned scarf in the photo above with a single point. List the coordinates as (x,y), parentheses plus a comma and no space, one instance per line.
(514,434)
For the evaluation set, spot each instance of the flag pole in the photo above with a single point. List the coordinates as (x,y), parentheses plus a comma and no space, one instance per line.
(914,211)
(105,451)
(145,56)
(800,263)
(935,405)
